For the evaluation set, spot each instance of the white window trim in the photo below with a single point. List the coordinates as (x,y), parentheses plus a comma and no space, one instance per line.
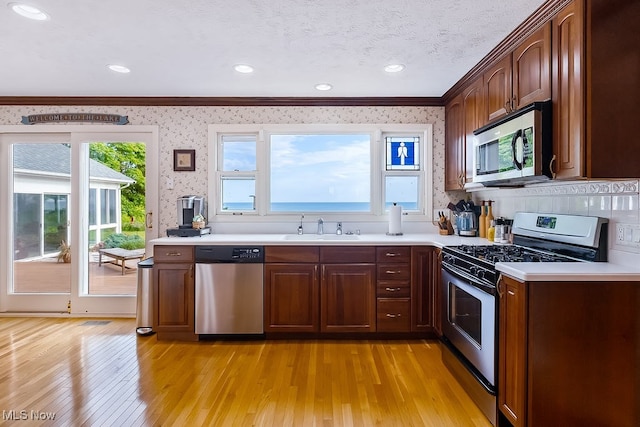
(378,172)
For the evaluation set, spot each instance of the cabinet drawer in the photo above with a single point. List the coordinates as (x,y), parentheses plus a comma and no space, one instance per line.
(394,315)
(393,290)
(305,254)
(389,254)
(347,254)
(176,253)
(394,271)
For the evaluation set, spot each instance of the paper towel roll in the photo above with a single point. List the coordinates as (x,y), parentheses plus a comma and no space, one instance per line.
(395,220)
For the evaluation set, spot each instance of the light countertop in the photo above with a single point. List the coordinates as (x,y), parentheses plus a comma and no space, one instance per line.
(524,271)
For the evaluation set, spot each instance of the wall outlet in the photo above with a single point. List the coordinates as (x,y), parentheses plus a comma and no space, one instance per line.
(628,235)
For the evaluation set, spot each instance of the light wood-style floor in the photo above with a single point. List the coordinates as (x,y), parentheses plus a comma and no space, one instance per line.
(93,374)
(50,276)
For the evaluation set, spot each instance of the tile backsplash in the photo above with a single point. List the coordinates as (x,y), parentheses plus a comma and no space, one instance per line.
(616,200)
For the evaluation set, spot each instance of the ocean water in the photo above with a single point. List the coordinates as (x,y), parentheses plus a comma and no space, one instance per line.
(318,206)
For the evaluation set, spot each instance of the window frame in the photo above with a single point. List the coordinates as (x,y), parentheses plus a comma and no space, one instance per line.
(262,174)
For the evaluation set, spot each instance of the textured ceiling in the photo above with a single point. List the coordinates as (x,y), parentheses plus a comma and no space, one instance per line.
(188,48)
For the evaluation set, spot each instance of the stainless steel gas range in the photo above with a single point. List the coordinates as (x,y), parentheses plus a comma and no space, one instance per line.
(469,278)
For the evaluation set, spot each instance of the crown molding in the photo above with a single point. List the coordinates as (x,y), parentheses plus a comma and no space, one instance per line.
(226,101)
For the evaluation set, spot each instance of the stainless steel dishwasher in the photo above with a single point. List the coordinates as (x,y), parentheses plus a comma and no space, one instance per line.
(229,291)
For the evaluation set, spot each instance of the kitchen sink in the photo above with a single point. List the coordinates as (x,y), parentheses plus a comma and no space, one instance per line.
(311,237)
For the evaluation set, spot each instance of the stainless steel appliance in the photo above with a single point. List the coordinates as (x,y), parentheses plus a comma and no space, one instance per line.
(229,294)
(515,150)
(469,277)
(467,223)
(188,208)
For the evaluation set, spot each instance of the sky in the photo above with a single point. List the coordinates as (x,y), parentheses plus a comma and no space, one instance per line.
(312,168)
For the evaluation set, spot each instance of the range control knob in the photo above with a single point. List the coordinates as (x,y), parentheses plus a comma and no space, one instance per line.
(480,274)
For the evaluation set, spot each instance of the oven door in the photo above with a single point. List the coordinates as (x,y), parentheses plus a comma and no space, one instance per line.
(469,323)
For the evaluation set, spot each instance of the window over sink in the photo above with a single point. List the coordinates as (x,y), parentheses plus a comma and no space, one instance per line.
(352,170)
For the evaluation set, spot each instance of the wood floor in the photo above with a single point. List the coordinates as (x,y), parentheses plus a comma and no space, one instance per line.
(51,276)
(88,373)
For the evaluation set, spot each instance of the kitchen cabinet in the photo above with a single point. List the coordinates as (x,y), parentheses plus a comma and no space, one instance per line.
(567,351)
(291,289)
(393,289)
(454,149)
(512,345)
(463,115)
(425,289)
(521,77)
(347,289)
(174,292)
(474,118)
(595,89)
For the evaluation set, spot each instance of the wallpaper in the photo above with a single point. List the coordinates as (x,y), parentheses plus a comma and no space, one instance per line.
(186,128)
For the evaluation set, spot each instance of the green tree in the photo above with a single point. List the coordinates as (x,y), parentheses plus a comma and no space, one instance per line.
(127,158)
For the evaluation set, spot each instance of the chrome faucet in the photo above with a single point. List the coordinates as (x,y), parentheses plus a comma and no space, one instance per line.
(339,229)
(320,226)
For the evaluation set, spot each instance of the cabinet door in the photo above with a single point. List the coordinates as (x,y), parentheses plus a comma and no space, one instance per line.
(568,89)
(532,68)
(473,107)
(512,359)
(291,298)
(173,297)
(454,145)
(497,89)
(424,285)
(348,298)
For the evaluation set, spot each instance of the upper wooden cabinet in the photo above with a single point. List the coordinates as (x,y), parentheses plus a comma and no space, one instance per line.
(454,149)
(596,95)
(520,78)
(474,117)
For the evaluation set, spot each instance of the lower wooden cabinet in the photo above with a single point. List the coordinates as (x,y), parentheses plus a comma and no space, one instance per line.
(351,289)
(348,298)
(512,355)
(292,298)
(394,315)
(174,292)
(568,352)
(425,289)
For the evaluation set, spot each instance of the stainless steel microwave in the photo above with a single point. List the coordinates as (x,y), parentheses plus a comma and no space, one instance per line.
(515,150)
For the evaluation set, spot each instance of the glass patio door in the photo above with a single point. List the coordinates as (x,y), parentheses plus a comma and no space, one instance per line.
(62,207)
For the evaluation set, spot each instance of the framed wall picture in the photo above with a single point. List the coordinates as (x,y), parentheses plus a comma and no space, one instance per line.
(184,160)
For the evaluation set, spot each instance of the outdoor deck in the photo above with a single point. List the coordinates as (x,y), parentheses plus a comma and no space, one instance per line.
(49,276)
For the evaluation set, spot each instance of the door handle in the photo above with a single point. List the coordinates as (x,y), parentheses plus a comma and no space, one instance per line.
(149,220)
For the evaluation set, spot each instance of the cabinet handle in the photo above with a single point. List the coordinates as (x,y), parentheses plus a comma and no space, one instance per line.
(173,253)
(507,106)
(392,289)
(391,254)
(499,286)
(553,174)
(511,293)
(191,271)
(393,316)
(393,271)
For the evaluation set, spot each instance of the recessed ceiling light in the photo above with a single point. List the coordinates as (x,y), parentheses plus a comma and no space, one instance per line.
(323,86)
(394,68)
(243,68)
(28,11)
(119,69)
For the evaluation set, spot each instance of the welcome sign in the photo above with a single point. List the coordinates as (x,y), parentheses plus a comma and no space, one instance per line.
(75,117)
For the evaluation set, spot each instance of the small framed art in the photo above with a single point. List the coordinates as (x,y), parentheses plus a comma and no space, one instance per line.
(184,160)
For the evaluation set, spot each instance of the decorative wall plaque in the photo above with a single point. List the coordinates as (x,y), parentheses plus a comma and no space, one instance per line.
(115,119)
